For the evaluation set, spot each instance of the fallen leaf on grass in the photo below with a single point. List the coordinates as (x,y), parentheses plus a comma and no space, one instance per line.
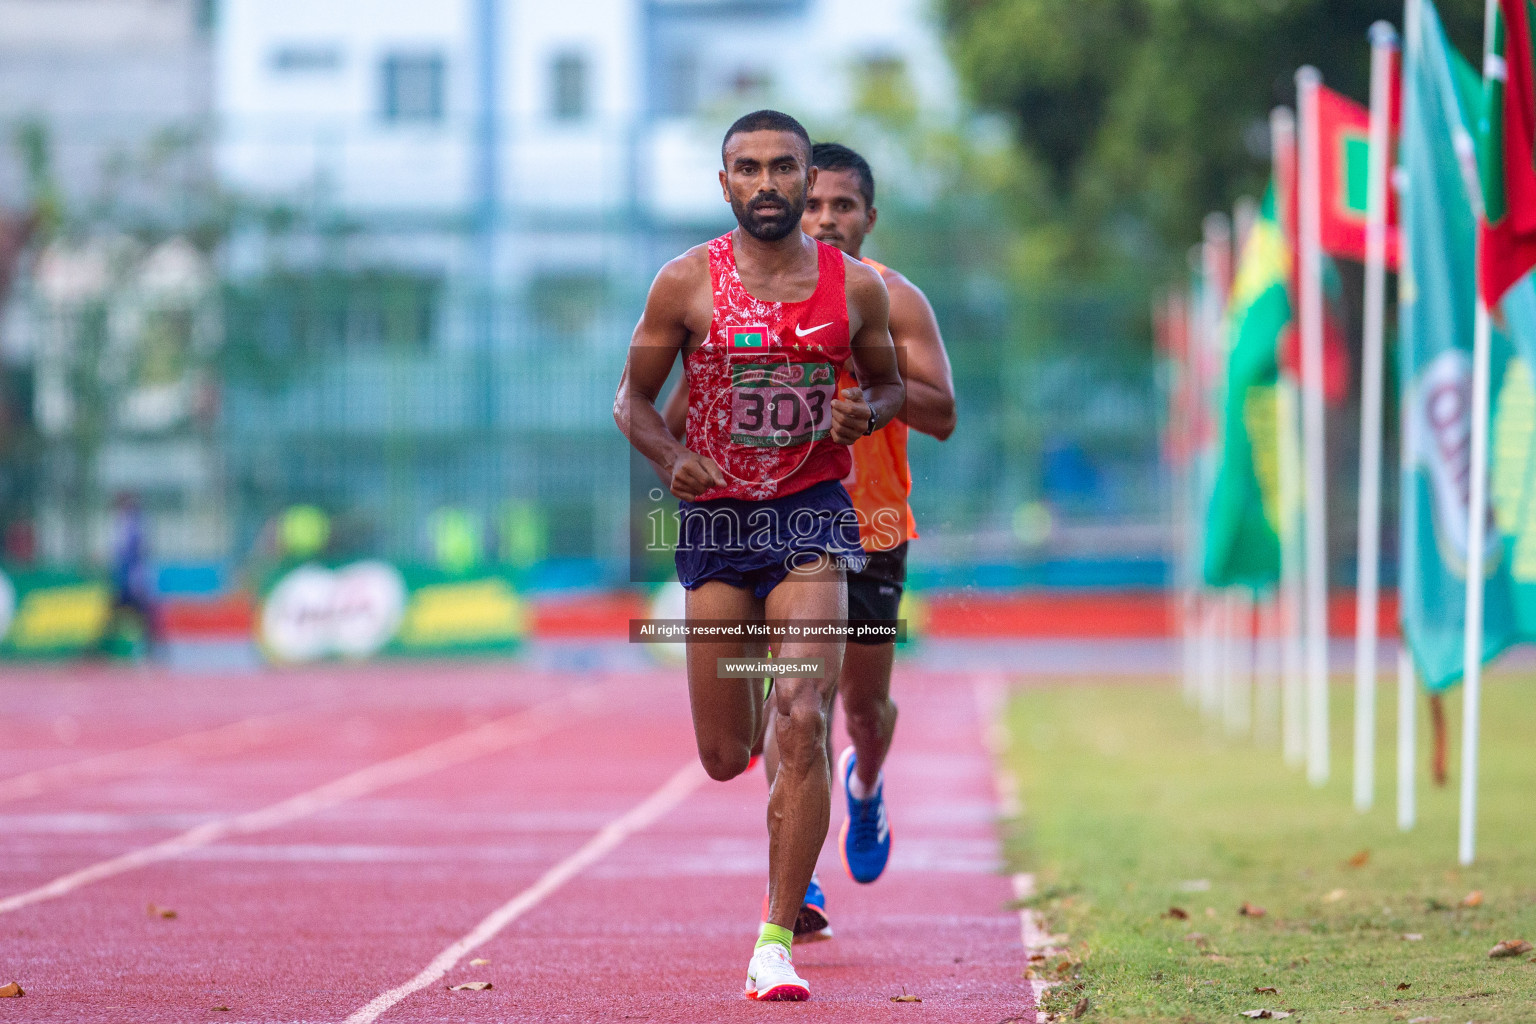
(221,1009)
(1359,860)
(1210,911)
(1412,937)
(1509,947)
(1177,914)
(1266,990)
(11,991)
(471,986)
(478,963)
(1404,986)
(1249,910)
(1036,957)
(1473,898)
(159,911)
(904,998)
(1264,1014)
(1081,1008)
(1333,896)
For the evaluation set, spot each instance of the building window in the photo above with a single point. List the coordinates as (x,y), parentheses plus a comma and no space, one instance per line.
(299,58)
(413,88)
(569,87)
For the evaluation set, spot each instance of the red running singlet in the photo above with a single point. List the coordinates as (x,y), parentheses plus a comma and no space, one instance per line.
(760,387)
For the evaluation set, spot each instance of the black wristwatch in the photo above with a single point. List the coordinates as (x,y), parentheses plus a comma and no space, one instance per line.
(871,429)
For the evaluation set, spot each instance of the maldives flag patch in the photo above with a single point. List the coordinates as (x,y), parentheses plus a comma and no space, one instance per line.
(749,337)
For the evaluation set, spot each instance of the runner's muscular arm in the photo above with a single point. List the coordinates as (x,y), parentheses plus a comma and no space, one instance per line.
(874,359)
(661,334)
(930,385)
(675,412)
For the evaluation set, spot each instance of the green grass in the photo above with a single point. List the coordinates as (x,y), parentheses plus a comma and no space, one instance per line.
(1129,795)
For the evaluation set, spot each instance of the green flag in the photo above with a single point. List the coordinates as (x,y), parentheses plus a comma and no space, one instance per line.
(1436,304)
(1242,543)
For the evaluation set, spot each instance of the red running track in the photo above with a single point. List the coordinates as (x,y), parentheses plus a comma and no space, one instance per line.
(372,818)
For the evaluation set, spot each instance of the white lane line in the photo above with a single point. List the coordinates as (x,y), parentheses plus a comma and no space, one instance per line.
(991,694)
(489,738)
(671,793)
(224,739)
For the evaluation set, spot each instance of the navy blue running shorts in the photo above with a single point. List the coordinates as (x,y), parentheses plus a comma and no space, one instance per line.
(754,544)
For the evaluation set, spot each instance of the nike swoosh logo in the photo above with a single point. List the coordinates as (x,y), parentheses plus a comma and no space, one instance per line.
(802,333)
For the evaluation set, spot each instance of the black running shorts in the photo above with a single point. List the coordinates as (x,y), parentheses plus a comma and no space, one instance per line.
(875,593)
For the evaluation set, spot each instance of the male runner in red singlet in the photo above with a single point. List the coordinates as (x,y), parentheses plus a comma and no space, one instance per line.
(841,212)
(764,317)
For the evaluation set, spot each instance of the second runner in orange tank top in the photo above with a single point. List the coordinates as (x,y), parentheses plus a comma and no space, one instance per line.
(881,480)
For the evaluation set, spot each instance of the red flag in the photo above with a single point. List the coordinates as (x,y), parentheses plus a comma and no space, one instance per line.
(1507,240)
(1335,349)
(1344,146)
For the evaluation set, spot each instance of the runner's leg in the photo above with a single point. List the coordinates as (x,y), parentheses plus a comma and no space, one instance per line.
(799,804)
(866,688)
(728,714)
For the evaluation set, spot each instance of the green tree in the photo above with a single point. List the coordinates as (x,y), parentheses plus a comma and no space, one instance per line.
(1142,115)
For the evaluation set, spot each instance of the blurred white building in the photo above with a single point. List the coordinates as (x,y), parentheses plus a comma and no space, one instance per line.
(106,79)
(526,110)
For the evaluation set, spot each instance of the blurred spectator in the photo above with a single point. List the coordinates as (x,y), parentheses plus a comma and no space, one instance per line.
(132,593)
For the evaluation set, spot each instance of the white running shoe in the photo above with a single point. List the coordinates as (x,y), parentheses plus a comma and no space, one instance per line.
(771,975)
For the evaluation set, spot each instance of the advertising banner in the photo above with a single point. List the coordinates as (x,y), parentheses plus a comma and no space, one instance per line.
(372,608)
(51,613)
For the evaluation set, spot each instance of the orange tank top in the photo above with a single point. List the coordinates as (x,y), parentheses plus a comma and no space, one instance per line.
(881,480)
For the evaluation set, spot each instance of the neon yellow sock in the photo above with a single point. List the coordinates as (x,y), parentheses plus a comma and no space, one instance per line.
(773,933)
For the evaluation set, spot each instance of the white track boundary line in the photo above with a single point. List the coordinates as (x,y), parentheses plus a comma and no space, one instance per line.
(224,739)
(991,703)
(492,737)
(672,792)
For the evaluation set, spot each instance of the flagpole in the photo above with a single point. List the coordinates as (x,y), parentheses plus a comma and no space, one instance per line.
(1309,216)
(1407,691)
(1282,132)
(1198,414)
(1406,700)
(1477,522)
(1383,46)
(1181,450)
(1216,265)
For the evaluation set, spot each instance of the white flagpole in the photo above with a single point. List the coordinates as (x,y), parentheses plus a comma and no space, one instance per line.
(1204,641)
(1383,46)
(1406,709)
(1477,523)
(1309,214)
(1184,389)
(1282,134)
(1216,263)
(1407,690)
(1238,710)
(1293,697)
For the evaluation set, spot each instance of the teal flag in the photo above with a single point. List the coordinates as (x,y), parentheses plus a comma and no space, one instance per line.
(1436,310)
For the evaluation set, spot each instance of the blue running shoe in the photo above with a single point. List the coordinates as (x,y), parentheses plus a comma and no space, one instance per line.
(865,840)
(812,923)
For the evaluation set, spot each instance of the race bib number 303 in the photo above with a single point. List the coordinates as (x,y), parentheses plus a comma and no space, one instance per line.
(782,404)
